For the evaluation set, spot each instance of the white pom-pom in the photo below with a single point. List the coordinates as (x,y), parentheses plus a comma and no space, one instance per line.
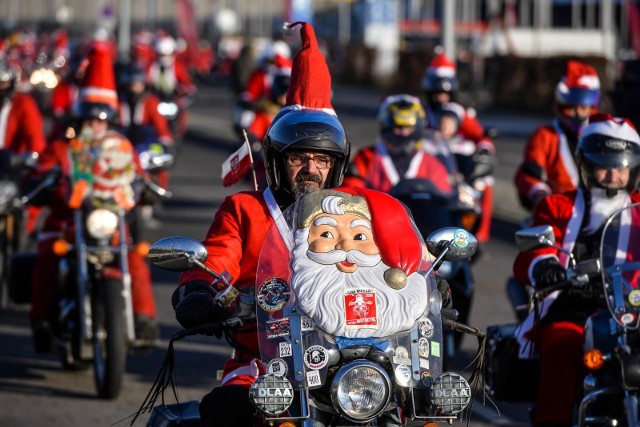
(287,29)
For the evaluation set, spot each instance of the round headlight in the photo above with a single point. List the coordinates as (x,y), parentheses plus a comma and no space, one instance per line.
(102,223)
(361,390)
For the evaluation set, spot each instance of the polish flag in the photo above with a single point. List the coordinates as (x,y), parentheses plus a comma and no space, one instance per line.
(236,166)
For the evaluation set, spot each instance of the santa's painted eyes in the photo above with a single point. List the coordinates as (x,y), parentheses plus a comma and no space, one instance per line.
(360,236)
(327,235)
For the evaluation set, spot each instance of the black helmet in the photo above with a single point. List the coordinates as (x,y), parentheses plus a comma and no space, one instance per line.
(305,130)
(610,143)
(279,85)
(401,111)
(129,74)
(9,74)
(432,83)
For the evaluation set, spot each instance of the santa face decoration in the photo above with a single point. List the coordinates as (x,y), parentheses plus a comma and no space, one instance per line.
(338,272)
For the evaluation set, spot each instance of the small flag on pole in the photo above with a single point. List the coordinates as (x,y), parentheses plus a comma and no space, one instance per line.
(236,166)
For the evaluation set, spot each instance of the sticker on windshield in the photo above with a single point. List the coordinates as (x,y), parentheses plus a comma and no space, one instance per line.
(273,294)
(423,347)
(426,378)
(278,328)
(306,324)
(316,357)
(435,348)
(403,375)
(285,349)
(634,297)
(425,326)
(361,309)
(461,238)
(277,367)
(313,379)
(401,356)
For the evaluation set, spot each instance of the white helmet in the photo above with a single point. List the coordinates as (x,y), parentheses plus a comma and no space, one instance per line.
(165,46)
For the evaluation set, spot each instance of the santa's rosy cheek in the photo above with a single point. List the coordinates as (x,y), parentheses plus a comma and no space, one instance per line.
(321,245)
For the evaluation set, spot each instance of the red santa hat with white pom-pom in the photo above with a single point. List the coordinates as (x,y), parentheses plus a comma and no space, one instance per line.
(442,66)
(310,85)
(614,127)
(99,83)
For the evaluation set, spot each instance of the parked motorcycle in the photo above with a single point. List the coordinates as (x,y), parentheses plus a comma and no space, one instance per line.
(317,379)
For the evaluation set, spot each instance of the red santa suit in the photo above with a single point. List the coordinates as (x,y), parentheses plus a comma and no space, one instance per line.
(548,164)
(559,337)
(21,125)
(146,113)
(43,294)
(375,169)
(234,242)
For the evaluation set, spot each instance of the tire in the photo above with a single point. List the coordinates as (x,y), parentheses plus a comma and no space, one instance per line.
(109,340)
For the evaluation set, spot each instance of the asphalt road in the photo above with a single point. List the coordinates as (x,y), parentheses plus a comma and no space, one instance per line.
(35,391)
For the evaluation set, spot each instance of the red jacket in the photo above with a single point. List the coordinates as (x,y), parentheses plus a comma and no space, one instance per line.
(234,242)
(63,97)
(548,151)
(23,128)
(177,75)
(376,170)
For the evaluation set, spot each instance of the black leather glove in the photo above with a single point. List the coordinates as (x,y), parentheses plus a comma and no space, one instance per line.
(548,272)
(445,292)
(194,305)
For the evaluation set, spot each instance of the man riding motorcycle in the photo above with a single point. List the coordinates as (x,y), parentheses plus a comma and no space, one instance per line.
(608,160)
(397,154)
(549,166)
(97,107)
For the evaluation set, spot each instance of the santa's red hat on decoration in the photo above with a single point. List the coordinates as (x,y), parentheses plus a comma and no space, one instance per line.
(99,84)
(393,230)
(442,66)
(310,85)
(579,86)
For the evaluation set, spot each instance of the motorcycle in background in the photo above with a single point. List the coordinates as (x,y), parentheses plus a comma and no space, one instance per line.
(314,378)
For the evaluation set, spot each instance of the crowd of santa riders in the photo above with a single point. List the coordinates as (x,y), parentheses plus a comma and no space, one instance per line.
(55,89)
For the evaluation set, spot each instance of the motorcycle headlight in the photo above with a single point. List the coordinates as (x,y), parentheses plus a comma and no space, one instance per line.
(361,390)
(102,223)
(167,108)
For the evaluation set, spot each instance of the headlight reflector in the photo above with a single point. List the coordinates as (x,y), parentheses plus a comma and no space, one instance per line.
(102,223)
(360,390)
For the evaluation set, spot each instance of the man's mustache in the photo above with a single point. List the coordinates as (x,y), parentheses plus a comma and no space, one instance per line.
(353,256)
(314,177)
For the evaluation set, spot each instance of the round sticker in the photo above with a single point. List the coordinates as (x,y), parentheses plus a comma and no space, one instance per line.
(277,367)
(425,326)
(627,318)
(401,356)
(273,294)
(403,375)
(423,347)
(634,298)
(461,238)
(426,378)
(316,357)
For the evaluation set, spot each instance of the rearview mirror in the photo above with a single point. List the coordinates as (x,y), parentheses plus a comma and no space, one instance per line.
(463,244)
(535,237)
(177,253)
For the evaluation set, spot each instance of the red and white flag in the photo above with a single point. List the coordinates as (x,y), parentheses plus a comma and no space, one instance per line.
(237,165)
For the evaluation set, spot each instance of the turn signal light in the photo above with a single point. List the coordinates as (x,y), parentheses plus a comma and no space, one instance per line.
(287,424)
(593,359)
(468,220)
(142,249)
(431,425)
(61,247)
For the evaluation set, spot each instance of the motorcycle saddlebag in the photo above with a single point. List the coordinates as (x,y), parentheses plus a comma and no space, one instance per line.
(22,266)
(507,377)
(186,414)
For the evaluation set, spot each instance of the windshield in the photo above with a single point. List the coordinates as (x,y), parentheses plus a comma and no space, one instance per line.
(308,310)
(620,257)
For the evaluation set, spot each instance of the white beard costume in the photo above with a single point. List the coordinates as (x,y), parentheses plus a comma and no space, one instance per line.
(320,294)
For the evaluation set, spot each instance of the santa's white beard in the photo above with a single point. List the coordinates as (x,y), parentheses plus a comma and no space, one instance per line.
(320,292)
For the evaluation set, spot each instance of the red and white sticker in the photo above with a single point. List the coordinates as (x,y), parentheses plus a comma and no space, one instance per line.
(361,309)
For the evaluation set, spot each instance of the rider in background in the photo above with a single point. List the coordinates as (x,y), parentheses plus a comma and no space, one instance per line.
(608,162)
(548,166)
(440,85)
(449,144)
(168,76)
(97,107)
(398,153)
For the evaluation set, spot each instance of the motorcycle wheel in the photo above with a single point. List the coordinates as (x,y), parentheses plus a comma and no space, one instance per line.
(109,342)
